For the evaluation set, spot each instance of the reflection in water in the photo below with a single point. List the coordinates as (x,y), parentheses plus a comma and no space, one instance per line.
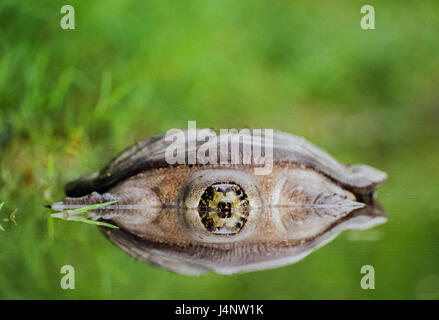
(177,240)
(235,219)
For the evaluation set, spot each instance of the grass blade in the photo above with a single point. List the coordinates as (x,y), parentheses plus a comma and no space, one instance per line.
(91,207)
(1,206)
(71,215)
(96,223)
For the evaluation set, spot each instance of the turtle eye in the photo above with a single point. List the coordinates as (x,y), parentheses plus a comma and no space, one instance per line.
(224,208)
(220,205)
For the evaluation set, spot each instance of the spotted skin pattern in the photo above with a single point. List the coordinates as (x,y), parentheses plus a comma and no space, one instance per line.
(224,208)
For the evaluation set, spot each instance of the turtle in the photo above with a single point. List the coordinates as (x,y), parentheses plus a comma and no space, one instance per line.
(220,215)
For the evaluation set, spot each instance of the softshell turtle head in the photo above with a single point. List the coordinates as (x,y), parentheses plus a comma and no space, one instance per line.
(221,214)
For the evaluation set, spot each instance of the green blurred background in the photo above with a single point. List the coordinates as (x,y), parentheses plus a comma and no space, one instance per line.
(71,99)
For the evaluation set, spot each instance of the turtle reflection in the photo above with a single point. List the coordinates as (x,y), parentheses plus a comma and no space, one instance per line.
(224,217)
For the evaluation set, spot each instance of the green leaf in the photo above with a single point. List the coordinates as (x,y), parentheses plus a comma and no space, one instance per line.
(1,206)
(96,223)
(12,216)
(91,207)
(65,215)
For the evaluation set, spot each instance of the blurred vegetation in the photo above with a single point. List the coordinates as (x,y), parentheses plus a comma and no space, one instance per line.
(71,99)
